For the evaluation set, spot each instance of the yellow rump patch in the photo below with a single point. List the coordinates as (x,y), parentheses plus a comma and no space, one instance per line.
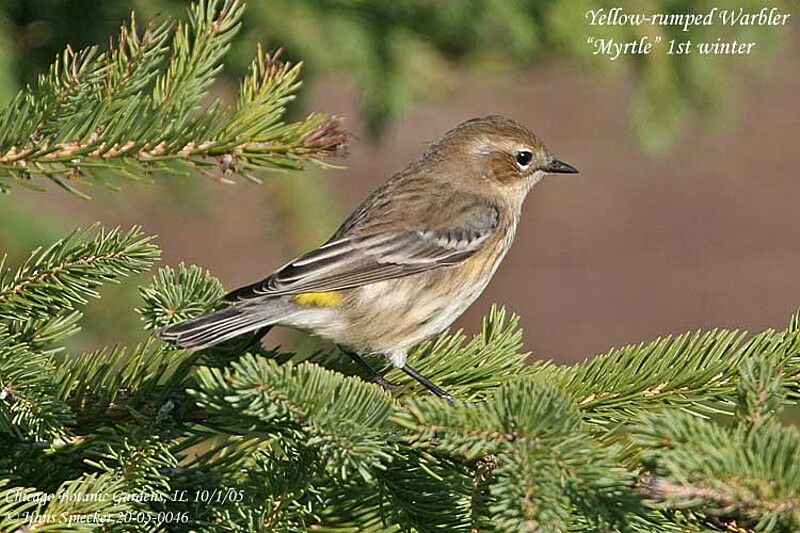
(319,299)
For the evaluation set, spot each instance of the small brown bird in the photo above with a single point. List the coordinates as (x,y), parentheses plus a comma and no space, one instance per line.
(409,261)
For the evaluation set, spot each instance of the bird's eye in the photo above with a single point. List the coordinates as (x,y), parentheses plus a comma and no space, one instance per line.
(524,158)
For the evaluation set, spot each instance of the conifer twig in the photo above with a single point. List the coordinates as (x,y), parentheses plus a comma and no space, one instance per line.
(56,279)
(137,110)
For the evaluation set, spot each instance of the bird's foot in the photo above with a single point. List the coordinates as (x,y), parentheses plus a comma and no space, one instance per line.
(385,384)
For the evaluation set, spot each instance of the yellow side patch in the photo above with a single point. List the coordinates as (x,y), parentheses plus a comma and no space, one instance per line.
(319,299)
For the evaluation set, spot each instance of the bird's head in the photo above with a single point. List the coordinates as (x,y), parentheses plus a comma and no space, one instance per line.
(500,150)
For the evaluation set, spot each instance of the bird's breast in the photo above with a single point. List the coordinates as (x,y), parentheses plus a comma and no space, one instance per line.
(400,313)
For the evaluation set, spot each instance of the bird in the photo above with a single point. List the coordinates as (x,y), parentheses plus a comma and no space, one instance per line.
(407,262)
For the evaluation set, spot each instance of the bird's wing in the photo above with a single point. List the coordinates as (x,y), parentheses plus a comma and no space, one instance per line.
(359,259)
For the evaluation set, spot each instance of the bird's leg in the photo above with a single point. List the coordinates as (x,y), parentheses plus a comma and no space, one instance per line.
(373,374)
(431,386)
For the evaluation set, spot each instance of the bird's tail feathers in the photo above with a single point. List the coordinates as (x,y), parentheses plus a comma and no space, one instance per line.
(214,328)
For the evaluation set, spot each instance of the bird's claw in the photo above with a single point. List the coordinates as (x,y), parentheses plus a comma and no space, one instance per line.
(385,384)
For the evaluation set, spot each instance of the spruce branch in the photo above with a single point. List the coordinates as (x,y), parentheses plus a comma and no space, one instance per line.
(416,491)
(743,474)
(29,407)
(112,384)
(179,294)
(142,461)
(527,495)
(481,497)
(198,49)
(44,335)
(696,372)
(279,486)
(41,464)
(136,110)
(344,419)
(56,279)
(547,464)
(527,410)
(761,392)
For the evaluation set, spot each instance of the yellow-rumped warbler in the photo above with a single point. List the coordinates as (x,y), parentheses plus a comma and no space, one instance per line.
(408,261)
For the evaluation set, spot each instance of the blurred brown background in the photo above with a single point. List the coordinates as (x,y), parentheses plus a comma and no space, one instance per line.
(634,247)
(682,217)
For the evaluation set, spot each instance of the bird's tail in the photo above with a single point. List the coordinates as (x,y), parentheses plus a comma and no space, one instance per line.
(213,328)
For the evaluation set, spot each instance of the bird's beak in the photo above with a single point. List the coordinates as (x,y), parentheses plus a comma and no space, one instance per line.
(556,166)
